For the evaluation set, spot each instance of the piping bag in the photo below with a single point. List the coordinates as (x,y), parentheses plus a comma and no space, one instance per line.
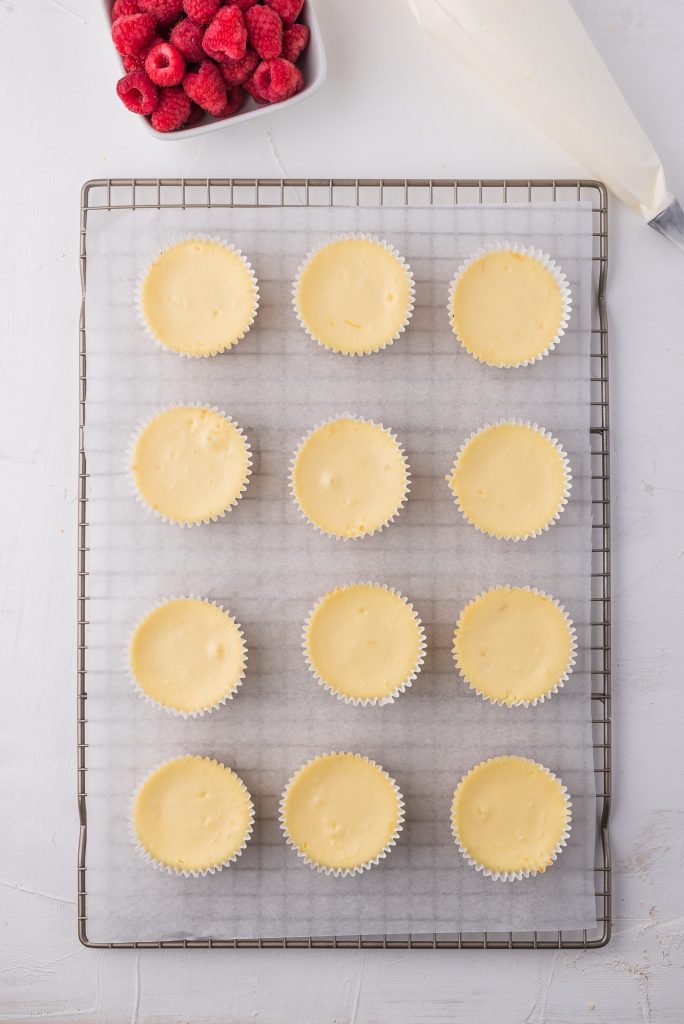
(538,56)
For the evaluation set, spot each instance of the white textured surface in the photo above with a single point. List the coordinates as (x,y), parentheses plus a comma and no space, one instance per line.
(432,120)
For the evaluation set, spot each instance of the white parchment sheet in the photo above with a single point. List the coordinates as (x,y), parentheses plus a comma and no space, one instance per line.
(267,566)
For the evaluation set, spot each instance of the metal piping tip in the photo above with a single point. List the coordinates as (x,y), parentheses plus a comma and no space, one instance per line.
(670,222)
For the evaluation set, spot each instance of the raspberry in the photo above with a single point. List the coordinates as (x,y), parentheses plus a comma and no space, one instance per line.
(226,36)
(235,97)
(201,11)
(265,31)
(295,41)
(206,87)
(134,63)
(138,93)
(137,63)
(286,80)
(194,117)
(287,9)
(132,31)
(244,5)
(164,65)
(186,36)
(235,72)
(277,79)
(164,11)
(249,85)
(124,7)
(172,111)
(261,79)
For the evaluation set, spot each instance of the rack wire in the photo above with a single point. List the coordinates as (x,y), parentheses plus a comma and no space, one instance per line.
(217,193)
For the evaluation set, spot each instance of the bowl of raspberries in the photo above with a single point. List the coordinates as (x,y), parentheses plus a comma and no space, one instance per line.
(191,66)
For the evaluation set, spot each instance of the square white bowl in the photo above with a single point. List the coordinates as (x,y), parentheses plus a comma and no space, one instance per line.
(312,65)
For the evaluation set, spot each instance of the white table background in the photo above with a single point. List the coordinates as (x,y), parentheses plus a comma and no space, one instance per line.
(392,106)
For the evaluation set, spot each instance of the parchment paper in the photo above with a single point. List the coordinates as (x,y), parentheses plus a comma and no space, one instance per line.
(267,566)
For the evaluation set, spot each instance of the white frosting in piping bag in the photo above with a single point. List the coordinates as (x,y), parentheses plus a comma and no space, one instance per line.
(537,54)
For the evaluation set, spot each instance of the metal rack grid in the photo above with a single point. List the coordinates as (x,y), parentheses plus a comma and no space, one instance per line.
(158,193)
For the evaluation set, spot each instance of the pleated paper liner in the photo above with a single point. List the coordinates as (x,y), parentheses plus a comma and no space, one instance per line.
(140,283)
(357,868)
(553,688)
(354,237)
(520,873)
(566,470)
(365,701)
(209,869)
(211,518)
(200,711)
(545,261)
(369,532)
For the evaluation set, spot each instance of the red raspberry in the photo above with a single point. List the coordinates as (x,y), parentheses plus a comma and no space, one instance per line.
(265,31)
(287,9)
(206,87)
(172,111)
(277,79)
(245,5)
(286,80)
(250,86)
(164,65)
(235,97)
(261,80)
(201,11)
(295,41)
(235,72)
(165,11)
(124,7)
(138,93)
(195,116)
(226,36)
(137,63)
(186,36)
(131,64)
(132,31)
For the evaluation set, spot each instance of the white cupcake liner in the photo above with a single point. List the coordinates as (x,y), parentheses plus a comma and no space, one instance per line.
(365,701)
(176,712)
(140,281)
(400,506)
(545,260)
(566,467)
(358,868)
(356,236)
(143,424)
(514,876)
(182,872)
(548,693)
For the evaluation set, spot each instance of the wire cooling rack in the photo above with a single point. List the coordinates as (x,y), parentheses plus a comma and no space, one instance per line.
(158,193)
